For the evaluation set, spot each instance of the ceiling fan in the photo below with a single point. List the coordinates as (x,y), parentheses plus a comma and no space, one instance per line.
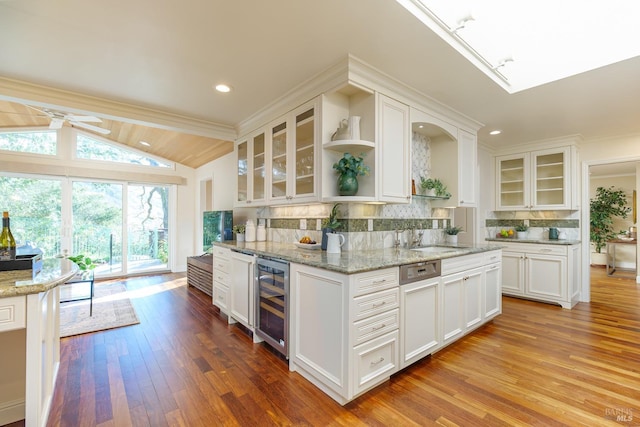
(58,118)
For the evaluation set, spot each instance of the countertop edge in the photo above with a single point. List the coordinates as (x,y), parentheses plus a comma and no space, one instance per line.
(36,288)
(351,262)
(535,241)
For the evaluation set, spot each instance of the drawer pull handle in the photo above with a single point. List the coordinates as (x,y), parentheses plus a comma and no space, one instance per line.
(379,282)
(379,304)
(375,328)
(377,362)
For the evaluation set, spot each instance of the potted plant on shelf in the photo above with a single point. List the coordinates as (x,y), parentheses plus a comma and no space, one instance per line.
(330,225)
(239,230)
(521,231)
(452,233)
(349,168)
(607,204)
(434,187)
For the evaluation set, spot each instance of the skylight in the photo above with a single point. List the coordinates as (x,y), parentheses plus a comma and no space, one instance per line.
(522,45)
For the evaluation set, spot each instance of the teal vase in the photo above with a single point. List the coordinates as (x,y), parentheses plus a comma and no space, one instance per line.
(347,185)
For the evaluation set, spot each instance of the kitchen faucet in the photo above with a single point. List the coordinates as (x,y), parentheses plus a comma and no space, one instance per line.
(416,240)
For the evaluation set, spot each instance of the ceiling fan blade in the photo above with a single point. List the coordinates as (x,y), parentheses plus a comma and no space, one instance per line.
(73,118)
(56,123)
(90,127)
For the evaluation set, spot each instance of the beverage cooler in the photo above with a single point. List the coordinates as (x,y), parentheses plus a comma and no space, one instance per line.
(272,302)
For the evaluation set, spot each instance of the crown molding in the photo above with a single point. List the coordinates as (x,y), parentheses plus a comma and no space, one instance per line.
(44,96)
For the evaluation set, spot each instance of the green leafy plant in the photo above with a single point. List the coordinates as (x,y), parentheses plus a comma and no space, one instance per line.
(434,184)
(83,262)
(521,227)
(332,221)
(452,230)
(607,204)
(351,165)
(239,229)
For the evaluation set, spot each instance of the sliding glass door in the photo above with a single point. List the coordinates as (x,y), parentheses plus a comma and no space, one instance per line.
(123,227)
(97,218)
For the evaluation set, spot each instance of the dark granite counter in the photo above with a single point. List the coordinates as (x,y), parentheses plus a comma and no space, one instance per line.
(350,262)
(55,271)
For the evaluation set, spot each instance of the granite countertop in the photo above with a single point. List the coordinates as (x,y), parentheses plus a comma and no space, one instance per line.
(55,271)
(350,262)
(538,241)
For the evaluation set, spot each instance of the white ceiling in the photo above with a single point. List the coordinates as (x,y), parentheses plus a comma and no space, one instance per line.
(166,55)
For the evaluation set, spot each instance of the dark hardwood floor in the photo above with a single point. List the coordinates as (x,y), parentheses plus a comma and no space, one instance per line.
(536,364)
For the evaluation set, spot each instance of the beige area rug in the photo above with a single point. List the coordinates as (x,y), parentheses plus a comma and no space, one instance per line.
(112,308)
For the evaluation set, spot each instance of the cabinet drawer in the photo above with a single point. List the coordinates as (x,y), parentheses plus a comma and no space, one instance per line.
(372,304)
(221,253)
(492,257)
(375,361)
(221,277)
(220,296)
(375,281)
(460,263)
(13,313)
(373,327)
(533,248)
(221,265)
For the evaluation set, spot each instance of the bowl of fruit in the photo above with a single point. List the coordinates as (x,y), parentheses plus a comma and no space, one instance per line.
(505,234)
(307,242)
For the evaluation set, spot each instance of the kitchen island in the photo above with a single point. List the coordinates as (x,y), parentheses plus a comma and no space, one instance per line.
(30,340)
(353,323)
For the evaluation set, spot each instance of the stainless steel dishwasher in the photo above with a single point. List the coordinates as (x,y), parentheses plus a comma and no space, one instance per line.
(272,303)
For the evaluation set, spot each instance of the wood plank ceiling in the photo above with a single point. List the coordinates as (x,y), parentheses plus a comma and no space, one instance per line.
(186,149)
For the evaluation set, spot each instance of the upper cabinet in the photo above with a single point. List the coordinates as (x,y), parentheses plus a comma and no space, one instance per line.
(251,158)
(454,158)
(536,180)
(293,156)
(394,151)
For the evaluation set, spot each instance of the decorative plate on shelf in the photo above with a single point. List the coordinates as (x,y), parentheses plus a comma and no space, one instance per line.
(308,245)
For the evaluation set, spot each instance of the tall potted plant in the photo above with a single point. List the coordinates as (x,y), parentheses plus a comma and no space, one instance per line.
(607,204)
(349,168)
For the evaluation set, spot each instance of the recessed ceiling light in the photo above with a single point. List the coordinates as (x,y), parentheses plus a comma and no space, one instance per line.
(495,132)
(223,88)
(145,143)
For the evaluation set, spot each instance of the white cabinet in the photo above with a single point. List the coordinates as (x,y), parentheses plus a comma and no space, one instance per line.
(393,151)
(251,159)
(493,291)
(221,279)
(454,158)
(293,159)
(241,288)
(344,328)
(420,320)
(542,272)
(537,180)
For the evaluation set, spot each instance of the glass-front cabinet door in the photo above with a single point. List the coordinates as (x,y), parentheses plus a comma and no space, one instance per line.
(305,158)
(550,175)
(242,157)
(279,164)
(513,182)
(259,167)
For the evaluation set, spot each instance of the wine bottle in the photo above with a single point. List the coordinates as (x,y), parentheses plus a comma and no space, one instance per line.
(7,242)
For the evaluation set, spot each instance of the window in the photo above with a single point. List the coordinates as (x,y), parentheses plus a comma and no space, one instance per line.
(92,149)
(36,142)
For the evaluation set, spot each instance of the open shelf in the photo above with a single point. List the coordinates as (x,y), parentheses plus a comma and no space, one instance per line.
(349,145)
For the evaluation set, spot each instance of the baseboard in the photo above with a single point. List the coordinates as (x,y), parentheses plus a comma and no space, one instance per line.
(11,411)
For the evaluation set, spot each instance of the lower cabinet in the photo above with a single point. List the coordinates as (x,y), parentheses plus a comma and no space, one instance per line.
(438,311)
(349,333)
(241,288)
(344,328)
(548,273)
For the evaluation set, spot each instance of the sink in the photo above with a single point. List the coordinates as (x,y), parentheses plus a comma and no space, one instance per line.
(434,249)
